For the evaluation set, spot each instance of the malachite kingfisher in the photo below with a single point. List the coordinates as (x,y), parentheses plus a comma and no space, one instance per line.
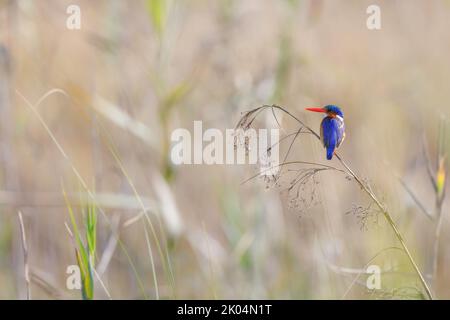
(332,128)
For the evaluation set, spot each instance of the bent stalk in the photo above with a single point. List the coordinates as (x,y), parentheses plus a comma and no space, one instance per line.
(249,117)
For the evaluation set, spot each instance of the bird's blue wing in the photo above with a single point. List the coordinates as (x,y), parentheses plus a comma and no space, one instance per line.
(330,132)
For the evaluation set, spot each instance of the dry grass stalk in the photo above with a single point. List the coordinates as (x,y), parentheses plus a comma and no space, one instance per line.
(249,117)
(25,255)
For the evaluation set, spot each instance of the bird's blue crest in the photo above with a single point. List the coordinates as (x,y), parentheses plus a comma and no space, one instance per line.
(334,109)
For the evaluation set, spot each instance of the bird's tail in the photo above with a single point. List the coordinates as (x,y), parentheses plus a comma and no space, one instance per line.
(330,152)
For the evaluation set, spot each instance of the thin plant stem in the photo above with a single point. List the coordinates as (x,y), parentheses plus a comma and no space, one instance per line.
(25,255)
(245,122)
(416,199)
(436,245)
(391,222)
(77,173)
(440,196)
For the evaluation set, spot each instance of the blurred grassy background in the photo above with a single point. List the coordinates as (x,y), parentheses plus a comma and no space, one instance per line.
(139,69)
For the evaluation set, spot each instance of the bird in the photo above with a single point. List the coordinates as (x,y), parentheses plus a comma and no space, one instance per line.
(332,128)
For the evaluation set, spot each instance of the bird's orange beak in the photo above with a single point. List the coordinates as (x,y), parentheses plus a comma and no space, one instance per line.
(316,110)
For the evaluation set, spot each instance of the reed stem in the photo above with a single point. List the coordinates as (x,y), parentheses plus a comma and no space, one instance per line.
(367,190)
